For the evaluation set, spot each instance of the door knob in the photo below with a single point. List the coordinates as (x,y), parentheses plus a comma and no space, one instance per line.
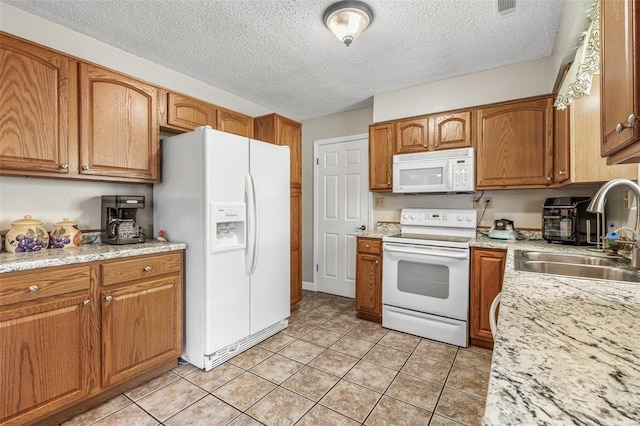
(361,228)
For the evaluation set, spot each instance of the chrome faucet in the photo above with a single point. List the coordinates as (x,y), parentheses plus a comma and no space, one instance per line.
(597,206)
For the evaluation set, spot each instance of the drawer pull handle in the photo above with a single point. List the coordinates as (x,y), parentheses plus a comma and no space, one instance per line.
(87,302)
(147,268)
(33,288)
(108,298)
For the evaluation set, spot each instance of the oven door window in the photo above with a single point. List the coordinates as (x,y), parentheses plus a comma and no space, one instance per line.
(423,279)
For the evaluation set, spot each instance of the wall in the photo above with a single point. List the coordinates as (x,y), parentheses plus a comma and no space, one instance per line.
(332,126)
(524,206)
(51,200)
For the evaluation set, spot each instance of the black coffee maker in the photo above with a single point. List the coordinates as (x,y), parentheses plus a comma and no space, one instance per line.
(119,219)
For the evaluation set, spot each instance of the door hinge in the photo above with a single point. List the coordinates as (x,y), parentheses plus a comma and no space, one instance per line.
(317,267)
(317,161)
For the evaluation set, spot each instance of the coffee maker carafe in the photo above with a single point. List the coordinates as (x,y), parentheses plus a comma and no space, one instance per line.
(119,219)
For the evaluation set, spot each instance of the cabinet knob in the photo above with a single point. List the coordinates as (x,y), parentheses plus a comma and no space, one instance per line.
(549,179)
(388,183)
(108,298)
(147,269)
(632,121)
(377,261)
(425,146)
(64,166)
(87,302)
(85,167)
(367,246)
(33,288)
(561,172)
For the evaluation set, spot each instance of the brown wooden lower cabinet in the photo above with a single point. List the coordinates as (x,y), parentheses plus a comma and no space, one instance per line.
(296,245)
(54,322)
(369,279)
(487,273)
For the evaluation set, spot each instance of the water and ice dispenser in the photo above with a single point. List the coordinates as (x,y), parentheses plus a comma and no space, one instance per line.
(228,227)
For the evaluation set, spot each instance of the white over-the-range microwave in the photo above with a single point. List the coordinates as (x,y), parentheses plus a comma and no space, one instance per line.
(450,170)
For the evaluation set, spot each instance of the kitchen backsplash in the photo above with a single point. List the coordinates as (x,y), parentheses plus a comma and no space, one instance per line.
(51,200)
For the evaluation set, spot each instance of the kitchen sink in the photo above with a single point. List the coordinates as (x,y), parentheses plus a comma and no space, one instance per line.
(579,259)
(576,265)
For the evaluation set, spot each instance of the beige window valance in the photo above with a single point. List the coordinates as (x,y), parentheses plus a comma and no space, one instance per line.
(577,82)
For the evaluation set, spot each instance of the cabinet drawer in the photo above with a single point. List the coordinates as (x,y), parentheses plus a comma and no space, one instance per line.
(19,287)
(140,267)
(369,246)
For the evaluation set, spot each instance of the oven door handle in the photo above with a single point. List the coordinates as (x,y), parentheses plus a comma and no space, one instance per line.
(452,255)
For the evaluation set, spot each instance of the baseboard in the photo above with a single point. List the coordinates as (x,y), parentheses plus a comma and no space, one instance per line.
(306,285)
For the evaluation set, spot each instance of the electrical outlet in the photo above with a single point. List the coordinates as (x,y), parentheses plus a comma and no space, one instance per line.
(477,203)
(379,202)
(488,202)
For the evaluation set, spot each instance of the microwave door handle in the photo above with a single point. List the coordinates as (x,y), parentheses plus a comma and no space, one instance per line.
(397,249)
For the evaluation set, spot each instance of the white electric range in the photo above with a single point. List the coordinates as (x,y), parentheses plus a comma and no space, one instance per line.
(425,279)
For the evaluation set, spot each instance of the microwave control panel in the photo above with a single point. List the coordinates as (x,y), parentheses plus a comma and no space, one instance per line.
(463,173)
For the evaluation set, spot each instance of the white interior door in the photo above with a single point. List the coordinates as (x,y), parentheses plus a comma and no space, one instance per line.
(342,206)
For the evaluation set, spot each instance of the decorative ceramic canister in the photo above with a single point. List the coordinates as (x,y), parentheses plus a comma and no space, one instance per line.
(26,235)
(65,234)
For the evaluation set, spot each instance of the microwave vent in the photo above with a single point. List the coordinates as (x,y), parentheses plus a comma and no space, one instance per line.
(506,7)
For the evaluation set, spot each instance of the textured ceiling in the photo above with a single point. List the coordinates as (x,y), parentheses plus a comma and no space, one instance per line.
(279,54)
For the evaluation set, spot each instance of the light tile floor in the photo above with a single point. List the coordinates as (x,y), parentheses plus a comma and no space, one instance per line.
(327,368)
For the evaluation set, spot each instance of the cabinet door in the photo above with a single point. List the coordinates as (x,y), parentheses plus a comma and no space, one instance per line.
(412,135)
(515,145)
(187,113)
(296,245)
(487,272)
(141,327)
(369,286)
(232,122)
(290,134)
(380,157)
(36,92)
(451,130)
(562,145)
(119,131)
(45,356)
(620,68)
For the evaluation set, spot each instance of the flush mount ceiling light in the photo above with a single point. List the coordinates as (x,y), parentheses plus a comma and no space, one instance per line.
(348,19)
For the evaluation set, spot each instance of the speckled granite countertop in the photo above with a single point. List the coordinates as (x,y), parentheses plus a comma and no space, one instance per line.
(380,230)
(11,262)
(567,350)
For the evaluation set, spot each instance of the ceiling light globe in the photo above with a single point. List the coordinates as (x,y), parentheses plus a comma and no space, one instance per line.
(347,20)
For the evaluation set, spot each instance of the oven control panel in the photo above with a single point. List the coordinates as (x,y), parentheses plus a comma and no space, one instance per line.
(453,218)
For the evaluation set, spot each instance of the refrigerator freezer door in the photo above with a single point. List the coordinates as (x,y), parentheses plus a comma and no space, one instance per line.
(270,286)
(226,287)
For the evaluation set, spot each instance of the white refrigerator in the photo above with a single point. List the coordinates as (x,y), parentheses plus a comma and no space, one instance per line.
(227,197)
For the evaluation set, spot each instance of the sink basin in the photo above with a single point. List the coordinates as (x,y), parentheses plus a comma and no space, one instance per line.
(576,265)
(579,259)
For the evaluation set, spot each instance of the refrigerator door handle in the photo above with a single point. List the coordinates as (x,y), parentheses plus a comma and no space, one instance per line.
(252,225)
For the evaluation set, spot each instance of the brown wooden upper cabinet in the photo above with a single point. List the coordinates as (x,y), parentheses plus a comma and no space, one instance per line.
(118,126)
(620,68)
(434,132)
(381,156)
(515,144)
(279,130)
(412,135)
(233,122)
(577,142)
(38,91)
(453,130)
(186,113)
